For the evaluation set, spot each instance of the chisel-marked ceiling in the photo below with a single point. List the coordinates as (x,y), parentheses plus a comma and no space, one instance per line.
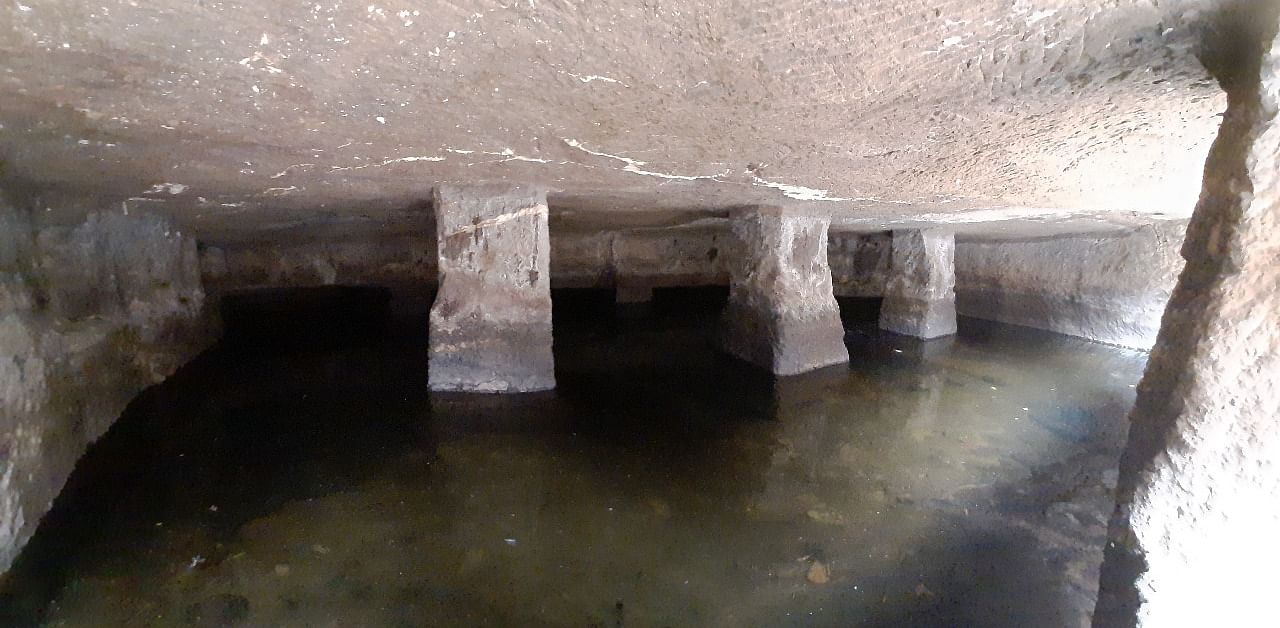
(238,115)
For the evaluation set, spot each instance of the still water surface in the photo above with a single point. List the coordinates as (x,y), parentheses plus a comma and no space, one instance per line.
(952,483)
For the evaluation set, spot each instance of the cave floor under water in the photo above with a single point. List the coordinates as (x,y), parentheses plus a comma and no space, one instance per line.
(958,482)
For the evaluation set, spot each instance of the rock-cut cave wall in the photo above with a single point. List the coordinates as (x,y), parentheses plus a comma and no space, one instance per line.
(93,312)
(406,262)
(1110,288)
(90,314)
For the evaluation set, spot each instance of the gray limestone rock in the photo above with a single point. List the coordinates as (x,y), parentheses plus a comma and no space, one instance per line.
(782,314)
(491,320)
(920,298)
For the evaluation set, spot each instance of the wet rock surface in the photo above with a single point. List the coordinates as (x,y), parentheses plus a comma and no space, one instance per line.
(1111,288)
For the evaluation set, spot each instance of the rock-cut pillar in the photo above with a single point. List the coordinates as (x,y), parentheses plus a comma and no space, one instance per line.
(920,295)
(491,320)
(782,314)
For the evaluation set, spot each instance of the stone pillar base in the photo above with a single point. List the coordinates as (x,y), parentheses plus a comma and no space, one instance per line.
(783,347)
(492,360)
(921,318)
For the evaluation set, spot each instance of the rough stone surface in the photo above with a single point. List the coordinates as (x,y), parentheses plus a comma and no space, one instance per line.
(692,255)
(1111,289)
(491,321)
(234,116)
(782,314)
(90,315)
(920,296)
(1194,537)
(381,259)
(400,257)
(859,263)
(237,122)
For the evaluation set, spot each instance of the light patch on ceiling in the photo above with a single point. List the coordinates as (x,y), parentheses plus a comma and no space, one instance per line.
(633,165)
(171,188)
(595,77)
(798,192)
(388,162)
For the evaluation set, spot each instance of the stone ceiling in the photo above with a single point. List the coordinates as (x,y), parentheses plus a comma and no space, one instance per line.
(235,116)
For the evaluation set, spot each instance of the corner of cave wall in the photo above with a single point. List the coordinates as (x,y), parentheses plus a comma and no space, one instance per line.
(1107,288)
(90,314)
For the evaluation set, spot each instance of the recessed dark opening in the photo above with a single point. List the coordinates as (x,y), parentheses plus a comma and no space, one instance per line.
(859,309)
(690,299)
(581,304)
(324,316)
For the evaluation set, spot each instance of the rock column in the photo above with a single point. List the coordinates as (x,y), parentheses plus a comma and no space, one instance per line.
(491,320)
(782,314)
(920,296)
(1195,539)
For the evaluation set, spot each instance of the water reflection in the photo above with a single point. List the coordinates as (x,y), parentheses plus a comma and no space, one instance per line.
(954,482)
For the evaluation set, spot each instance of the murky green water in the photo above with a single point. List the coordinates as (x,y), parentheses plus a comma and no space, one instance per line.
(951,483)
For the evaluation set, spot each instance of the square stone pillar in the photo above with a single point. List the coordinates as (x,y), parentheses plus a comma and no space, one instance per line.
(782,314)
(920,295)
(491,320)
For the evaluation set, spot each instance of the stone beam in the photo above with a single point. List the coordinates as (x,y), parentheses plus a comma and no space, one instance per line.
(920,297)
(782,314)
(491,320)
(1195,538)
